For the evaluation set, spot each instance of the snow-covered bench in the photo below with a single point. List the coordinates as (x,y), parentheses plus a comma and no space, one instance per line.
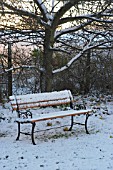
(21,104)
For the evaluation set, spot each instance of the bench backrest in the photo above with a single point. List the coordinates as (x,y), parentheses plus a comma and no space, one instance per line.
(27,101)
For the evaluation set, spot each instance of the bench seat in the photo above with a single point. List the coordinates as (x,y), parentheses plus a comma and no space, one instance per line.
(54,115)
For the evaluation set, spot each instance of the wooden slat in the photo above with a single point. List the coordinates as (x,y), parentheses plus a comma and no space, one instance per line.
(24,107)
(34,100)
(55,115)
(42,97)
(44,101)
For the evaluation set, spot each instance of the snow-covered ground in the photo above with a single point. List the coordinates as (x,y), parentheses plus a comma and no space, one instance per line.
(57,149)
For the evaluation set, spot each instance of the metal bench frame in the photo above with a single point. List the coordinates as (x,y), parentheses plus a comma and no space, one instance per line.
(27,117)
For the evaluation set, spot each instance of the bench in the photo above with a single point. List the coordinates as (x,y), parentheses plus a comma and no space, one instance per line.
(23,104)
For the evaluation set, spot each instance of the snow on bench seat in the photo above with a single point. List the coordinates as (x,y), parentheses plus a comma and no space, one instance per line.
(59,114)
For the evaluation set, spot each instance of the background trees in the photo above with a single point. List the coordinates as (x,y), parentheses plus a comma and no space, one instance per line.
(71,28)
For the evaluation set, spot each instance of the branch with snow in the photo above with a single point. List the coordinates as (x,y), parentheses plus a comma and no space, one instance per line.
(43,10)
(24,67)
(86,48)
(19,11)
(22,12)
(72,29)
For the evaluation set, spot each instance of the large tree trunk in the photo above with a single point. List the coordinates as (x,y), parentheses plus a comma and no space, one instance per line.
(46,76)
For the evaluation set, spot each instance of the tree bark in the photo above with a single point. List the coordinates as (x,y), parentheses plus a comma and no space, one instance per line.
(46,75)
(10,72)
(87,75)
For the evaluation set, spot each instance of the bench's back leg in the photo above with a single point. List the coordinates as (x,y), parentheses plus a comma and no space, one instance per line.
(32,133)
(87,115)
(71,123)
(18,131)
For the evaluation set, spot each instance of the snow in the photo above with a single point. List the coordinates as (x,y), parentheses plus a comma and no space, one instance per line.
(57,149)
(53,115)
(44,9)
(41,99)
(44,96)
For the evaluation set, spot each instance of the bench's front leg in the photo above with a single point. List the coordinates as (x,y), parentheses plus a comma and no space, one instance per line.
(32,133)
(87,115)
(71,123)
(18,131)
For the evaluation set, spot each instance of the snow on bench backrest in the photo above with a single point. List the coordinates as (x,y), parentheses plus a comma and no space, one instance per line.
(41,99)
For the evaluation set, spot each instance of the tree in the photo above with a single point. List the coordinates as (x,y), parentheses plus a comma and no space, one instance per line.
(53,21)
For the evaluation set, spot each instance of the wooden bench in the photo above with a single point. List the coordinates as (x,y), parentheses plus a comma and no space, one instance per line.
(21,104)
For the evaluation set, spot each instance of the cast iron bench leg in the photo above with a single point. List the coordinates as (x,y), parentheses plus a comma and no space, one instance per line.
(71,123)
(87,115)
(32,133)
(18,131)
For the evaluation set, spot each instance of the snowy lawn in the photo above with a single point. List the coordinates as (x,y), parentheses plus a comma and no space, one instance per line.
(57,149)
